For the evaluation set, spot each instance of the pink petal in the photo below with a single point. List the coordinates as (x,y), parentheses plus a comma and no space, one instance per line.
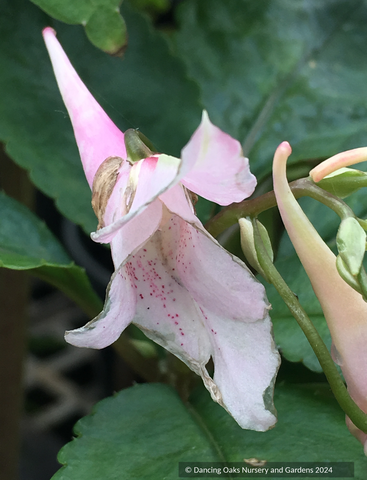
(165,310)
(235,314)
(151,177)
(177,201)
(216,279)
(214,166)
(117,314)
(134,234)
(96,135)
(244,354)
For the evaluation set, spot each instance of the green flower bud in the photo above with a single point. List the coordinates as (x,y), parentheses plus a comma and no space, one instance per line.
(351,243)
(248,244)
(346,275)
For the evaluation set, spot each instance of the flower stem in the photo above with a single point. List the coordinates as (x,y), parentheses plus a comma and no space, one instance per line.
(357,416)
(304,187)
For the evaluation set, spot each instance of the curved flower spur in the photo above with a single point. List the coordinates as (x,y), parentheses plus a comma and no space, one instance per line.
(172,279)
(344,309)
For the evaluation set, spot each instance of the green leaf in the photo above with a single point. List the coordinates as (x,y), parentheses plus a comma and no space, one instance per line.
(27,244)
(280,70)
(148,90)
(103,23)
(107,30)
(343,182)
(145,431)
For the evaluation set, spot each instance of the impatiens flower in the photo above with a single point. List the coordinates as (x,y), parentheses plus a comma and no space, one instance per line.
(344,309)
(171,278)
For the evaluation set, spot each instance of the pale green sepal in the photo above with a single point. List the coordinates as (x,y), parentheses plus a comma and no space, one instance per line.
(248,244)
(351,243)
(137,145)
(343,182)
(346,275)
(266,240)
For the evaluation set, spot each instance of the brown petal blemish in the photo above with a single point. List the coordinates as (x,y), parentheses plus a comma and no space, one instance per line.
(103,183)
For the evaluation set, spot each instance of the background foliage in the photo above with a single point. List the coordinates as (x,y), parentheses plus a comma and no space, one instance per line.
(266,72)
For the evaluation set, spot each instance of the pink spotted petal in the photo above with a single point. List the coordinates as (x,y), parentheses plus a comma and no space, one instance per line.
(216,279)
(118,312)
(244,355)
(165,310)
(214,166)
(96,135)
(150,177)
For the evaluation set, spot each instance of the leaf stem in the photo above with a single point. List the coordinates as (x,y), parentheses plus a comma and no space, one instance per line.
(357,416)
(304,187)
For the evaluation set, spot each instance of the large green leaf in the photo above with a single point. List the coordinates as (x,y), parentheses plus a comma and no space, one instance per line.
(280,70)
(27,244)
(145,431)
(147,89)
(102,21)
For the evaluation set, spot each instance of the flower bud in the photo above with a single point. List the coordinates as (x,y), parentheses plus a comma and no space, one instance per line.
(344,272)
(351,243)
(248,244)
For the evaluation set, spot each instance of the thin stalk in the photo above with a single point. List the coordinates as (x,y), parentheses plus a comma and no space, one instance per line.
(357,416)
(304,187)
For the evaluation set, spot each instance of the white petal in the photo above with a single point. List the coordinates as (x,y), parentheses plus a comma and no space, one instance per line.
(118,312)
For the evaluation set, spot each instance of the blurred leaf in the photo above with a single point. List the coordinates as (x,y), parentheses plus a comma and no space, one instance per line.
(103,23)
(148,89)
(153,7)
(280,70)
(145,431)
(27,244)
(205,209)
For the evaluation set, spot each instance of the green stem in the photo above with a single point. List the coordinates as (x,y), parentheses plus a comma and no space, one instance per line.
(304,187)
(357,416)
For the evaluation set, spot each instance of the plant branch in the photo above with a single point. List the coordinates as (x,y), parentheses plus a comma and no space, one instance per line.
(304,187)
